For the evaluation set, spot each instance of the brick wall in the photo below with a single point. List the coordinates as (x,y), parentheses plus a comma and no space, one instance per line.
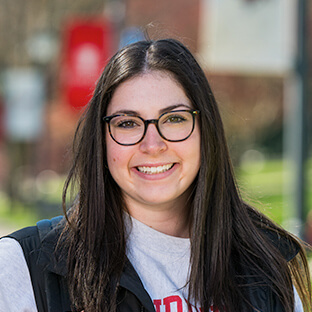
(166,18)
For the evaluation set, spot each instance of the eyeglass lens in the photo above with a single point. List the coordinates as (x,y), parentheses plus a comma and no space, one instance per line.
(172,126)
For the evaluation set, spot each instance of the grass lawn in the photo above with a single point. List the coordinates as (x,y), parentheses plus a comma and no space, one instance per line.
(264,188)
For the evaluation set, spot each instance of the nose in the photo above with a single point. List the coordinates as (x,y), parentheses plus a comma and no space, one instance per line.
(152,142)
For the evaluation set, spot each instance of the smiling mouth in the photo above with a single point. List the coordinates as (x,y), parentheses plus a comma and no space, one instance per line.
(155,170)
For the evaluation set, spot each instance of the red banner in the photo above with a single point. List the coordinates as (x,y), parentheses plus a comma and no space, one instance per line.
(86,49)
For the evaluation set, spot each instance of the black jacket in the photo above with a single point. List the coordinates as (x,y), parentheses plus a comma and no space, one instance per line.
(48,276)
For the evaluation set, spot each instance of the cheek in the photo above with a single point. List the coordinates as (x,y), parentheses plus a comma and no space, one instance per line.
(194,147)
(111,154)
(117,159)
(113,163)
(194,155)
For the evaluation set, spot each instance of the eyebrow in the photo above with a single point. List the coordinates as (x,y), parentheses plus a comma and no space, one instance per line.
(163,110)
(172,107)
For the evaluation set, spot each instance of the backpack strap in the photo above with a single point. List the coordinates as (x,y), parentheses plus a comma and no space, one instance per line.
(46,225)
(50,289)
(56,292)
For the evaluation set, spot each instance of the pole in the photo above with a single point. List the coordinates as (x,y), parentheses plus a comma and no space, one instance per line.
(296,125)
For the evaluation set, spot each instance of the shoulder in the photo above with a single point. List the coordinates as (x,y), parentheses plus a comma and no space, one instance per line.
(283,241)
(26,237)
(16,292)
(34,239)
(11,252)
(26,241)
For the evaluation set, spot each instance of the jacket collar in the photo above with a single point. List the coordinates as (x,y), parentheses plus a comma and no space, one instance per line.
(54,260)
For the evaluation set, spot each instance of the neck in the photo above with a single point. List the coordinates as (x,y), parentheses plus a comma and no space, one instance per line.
(170,220)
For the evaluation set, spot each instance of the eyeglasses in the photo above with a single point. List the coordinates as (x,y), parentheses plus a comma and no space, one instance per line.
(174,126)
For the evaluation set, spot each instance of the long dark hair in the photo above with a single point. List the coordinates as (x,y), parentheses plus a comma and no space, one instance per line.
(226,234)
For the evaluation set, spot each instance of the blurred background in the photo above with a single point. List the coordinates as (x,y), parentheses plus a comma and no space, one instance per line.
(257,57)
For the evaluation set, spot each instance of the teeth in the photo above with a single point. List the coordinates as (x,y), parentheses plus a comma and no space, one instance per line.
(155,170)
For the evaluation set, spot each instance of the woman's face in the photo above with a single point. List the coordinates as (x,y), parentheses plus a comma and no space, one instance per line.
(153,174)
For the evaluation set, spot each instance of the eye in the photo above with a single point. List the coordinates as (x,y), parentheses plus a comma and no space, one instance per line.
(174,118)
(127,124)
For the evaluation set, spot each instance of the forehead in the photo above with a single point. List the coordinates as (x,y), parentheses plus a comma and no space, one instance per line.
(148,94)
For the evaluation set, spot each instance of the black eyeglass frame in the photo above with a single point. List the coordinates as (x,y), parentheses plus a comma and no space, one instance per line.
(107,119)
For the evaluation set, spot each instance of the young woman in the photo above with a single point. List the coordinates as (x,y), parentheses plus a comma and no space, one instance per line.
(157,223)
